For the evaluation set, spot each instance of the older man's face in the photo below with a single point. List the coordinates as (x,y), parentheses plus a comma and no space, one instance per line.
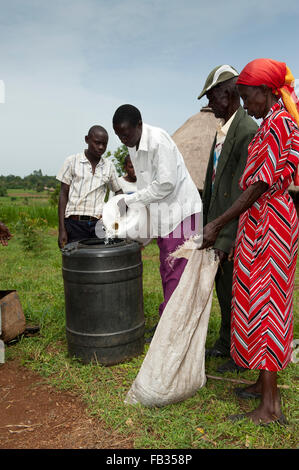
(218,100)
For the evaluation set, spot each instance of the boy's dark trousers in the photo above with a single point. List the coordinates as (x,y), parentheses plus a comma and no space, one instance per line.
(79,229)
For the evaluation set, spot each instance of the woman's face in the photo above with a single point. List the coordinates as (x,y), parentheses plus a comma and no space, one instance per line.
(255,100)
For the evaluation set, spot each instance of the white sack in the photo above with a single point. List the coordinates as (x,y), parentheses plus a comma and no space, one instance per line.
(174,367)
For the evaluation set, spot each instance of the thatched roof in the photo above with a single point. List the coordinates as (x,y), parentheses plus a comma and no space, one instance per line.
(194,140)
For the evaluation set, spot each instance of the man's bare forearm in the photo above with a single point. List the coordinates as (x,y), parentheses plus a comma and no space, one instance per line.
(63,199)
(244,201)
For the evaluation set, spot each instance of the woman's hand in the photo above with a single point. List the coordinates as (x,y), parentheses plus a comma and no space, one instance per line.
(231,253)
(210,234)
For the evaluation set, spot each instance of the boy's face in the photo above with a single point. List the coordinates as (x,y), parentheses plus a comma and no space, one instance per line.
(97,143)
(130,169)
(128,134)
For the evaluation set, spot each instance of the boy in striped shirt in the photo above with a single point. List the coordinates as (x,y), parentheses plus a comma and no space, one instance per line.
(84,179)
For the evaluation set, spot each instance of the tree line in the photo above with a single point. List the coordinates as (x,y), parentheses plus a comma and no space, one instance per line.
(38,182)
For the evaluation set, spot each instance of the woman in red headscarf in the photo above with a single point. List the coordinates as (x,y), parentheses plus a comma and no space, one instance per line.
(267,238)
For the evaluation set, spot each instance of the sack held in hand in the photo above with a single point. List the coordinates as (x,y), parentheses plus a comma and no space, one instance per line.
(174,367)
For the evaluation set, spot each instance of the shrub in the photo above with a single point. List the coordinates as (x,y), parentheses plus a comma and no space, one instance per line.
(31,232)
(3,191)
(54,196)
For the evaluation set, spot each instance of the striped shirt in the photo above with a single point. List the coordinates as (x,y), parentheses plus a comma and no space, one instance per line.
(87,190)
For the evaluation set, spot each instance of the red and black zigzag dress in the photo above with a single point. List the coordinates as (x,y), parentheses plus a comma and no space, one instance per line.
(266,250)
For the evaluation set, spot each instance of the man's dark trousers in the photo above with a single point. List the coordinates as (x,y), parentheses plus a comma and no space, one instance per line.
(223,284)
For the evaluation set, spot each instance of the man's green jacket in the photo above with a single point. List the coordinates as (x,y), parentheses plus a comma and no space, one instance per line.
(230,167)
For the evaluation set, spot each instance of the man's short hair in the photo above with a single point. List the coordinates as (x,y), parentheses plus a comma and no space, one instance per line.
(96,128)
(127,113)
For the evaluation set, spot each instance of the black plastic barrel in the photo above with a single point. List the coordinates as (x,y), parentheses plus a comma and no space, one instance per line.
(103,300)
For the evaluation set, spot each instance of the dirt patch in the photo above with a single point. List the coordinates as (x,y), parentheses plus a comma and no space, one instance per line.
(34,415)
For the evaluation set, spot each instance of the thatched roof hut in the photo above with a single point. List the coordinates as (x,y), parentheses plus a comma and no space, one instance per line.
(194,140)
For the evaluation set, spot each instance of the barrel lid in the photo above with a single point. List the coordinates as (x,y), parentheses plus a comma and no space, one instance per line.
(96,244)
(101,242)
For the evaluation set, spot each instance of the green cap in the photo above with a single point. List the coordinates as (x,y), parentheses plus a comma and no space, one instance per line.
(218,75)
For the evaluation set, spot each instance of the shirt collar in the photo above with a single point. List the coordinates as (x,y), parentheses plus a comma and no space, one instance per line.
(84,159)
(275,107)
(223,128)
(143,144)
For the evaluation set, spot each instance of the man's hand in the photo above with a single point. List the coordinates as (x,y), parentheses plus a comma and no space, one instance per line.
(62,238)
(122,207)
(221,255)
(5,234)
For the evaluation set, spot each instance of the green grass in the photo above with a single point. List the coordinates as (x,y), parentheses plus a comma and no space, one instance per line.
(199,422)
(35,206)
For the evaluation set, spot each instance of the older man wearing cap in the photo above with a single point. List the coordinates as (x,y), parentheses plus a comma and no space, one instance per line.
(226,164)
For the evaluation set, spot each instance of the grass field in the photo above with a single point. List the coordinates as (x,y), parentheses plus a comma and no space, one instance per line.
(33,204)
(197,423)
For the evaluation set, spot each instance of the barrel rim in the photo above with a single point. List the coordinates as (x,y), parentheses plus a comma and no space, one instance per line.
(99,249)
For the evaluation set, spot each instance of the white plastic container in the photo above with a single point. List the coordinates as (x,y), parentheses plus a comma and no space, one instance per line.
(134,225)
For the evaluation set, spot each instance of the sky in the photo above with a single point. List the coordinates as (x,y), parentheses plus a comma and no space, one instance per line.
(66,65)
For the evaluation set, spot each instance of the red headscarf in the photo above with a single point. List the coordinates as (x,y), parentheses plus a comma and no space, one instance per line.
(263,72)
(277,76)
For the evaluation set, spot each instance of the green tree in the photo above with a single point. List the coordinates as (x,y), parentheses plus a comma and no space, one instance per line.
(54,196)
(39,187)
(118,158)
(35,180)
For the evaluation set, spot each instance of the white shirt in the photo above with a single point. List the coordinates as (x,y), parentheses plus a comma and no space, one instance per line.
(128,187)
(164,184)
(87,190)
